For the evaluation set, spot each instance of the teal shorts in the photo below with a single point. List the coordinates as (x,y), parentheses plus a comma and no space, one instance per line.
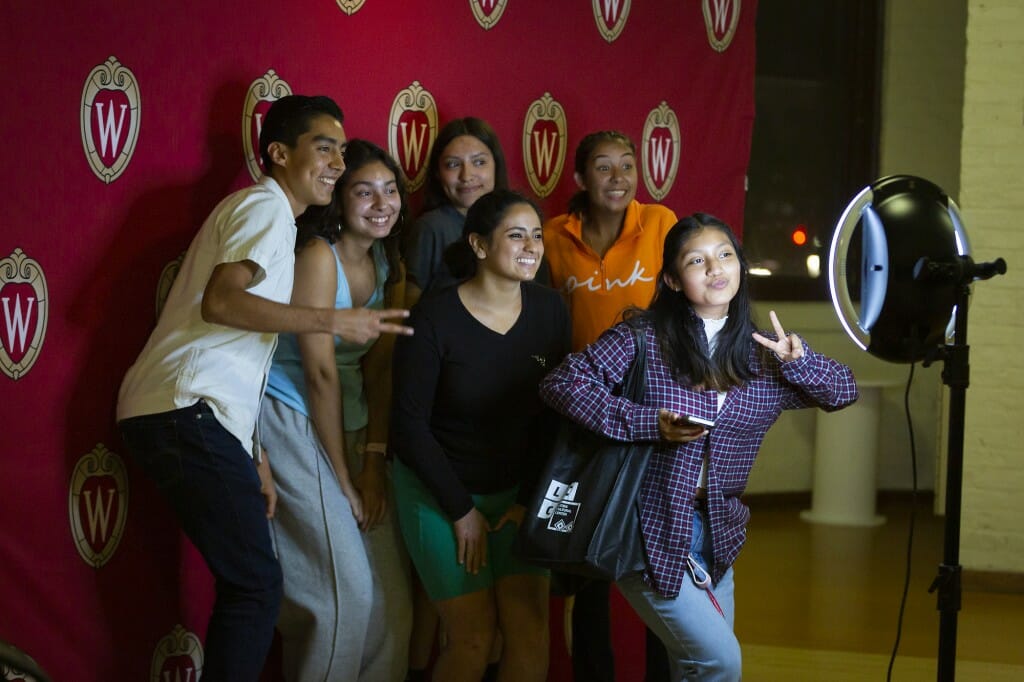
(430,538)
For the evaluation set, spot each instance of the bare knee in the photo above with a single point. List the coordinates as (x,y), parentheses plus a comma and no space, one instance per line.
(475,642)
(469,624)
(523,608)
(523,603)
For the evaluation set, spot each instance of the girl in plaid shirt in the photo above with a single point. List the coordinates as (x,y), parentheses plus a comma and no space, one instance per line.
(706,359)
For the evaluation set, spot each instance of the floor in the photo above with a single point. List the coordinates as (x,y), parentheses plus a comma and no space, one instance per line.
(819,602)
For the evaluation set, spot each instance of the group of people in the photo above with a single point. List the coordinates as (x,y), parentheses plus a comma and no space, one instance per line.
(393,457)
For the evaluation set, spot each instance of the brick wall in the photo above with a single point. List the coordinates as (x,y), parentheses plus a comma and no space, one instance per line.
(992,199)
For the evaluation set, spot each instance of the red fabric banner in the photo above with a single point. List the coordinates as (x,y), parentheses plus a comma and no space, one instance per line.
(125,123)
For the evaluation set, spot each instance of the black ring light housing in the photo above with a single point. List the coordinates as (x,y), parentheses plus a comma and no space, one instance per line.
(901,225)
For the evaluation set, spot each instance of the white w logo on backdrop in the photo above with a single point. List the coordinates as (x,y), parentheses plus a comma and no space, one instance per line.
(611,10)
(112,91)
(660,150)
(98,505)
(24,304)
(413,143)
(661,154)
(412,129)
(98,514)
(544,135)
(107,131)
(610,17)
(189,675)
(720,19)
(544,145)
(17,323)
(721,13)
(178,657)
(487,12)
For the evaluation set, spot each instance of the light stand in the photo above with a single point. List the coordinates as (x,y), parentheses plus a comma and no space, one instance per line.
(956,375)
(915,275)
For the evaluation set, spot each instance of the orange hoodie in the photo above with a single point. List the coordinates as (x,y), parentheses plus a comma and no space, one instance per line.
(599,289)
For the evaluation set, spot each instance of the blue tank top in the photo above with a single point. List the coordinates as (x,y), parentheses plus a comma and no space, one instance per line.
(286,381)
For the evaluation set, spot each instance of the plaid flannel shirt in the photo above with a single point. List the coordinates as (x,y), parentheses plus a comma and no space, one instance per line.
(581,388)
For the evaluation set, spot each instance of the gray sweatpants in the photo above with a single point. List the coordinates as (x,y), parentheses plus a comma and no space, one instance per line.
(347,607)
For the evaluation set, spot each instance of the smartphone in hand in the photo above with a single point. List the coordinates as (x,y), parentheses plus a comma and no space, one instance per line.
(694,421)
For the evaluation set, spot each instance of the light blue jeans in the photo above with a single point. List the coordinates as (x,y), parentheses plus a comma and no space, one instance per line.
(700,641)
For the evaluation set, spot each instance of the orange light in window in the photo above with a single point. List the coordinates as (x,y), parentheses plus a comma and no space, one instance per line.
(799,235)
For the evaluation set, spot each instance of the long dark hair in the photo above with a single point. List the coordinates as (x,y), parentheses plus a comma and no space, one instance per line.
(325,221)
(680,330)
(433,192)
(482,218)
(580,201)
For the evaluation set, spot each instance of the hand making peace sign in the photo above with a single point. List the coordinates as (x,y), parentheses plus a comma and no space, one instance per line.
(787,347)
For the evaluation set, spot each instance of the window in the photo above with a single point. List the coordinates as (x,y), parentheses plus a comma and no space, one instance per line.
(815,139)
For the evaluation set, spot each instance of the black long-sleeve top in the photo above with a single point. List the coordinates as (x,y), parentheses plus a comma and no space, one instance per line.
(466,415)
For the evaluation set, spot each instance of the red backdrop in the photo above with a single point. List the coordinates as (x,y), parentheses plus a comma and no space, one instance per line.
(94,575)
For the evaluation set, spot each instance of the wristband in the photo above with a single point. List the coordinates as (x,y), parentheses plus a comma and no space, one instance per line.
(379,448)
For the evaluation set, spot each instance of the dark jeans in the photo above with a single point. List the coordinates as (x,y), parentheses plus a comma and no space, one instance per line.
(212,485)
(592,657)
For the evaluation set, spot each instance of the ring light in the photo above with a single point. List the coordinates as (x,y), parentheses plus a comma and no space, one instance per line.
(901,226)
(915,276)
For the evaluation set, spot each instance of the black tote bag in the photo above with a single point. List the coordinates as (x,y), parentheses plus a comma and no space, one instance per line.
(584,516)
